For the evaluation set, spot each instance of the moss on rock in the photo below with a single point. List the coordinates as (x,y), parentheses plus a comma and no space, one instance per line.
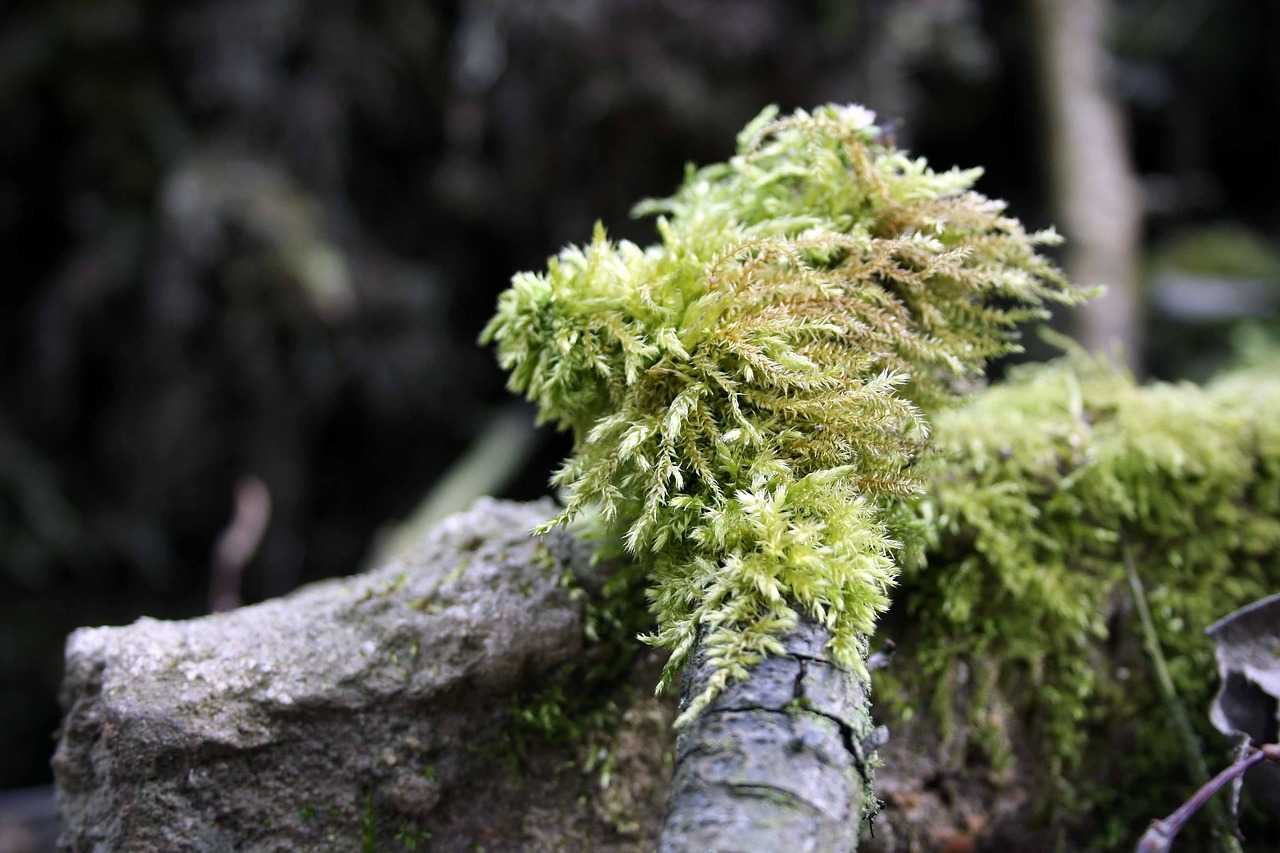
(1013,581)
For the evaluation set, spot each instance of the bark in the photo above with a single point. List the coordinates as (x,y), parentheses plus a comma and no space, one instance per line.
(778,761)
(1095,192)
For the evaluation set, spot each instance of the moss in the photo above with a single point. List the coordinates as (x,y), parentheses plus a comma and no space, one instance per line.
(368,827)
(544,560)
(750,399)
(378,828)
(464,562)
(426,604)
(747,394)
(580,700)
(413,837)
(1018,580)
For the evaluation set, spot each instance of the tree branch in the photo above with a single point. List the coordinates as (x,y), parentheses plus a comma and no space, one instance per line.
(780,761)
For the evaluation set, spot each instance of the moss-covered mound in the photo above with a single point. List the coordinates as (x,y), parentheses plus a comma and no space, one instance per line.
(1014,585)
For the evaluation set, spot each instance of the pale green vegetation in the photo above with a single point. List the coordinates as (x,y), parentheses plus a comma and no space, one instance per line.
(752,400)
(748,397)
(1042,482)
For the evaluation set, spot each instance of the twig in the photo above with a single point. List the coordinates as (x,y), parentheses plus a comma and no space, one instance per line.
(1224,830)
(489,465)
(238,543)
(1160,833)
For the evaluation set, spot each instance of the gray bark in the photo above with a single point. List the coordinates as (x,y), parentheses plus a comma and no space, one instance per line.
(776,762)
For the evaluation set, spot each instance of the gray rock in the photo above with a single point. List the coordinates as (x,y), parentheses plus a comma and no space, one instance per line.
(358,714)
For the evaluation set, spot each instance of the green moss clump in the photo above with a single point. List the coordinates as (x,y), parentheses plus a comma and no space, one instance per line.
(750,400)
(582,699)
(1018,571)
(748,395)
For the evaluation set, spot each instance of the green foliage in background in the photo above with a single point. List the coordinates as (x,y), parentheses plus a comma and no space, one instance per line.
(1221,251)
(1021,584)
(748,397)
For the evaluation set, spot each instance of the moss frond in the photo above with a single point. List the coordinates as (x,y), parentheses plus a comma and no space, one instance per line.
(749,394)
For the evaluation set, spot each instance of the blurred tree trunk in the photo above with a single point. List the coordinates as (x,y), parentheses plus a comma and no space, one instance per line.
(1094,190)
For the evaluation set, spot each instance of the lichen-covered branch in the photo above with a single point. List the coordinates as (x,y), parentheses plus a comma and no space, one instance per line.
(780,761)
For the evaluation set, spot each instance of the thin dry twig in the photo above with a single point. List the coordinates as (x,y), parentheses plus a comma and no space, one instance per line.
(1223,827)
(1160,833)
(238,543)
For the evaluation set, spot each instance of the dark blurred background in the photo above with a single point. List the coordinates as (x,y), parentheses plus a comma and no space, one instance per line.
(248,245)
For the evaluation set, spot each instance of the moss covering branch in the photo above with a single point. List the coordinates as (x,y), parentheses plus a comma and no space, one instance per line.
(749,395)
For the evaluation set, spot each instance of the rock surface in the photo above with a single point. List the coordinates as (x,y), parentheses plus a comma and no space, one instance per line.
(366,713)
(374,713)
